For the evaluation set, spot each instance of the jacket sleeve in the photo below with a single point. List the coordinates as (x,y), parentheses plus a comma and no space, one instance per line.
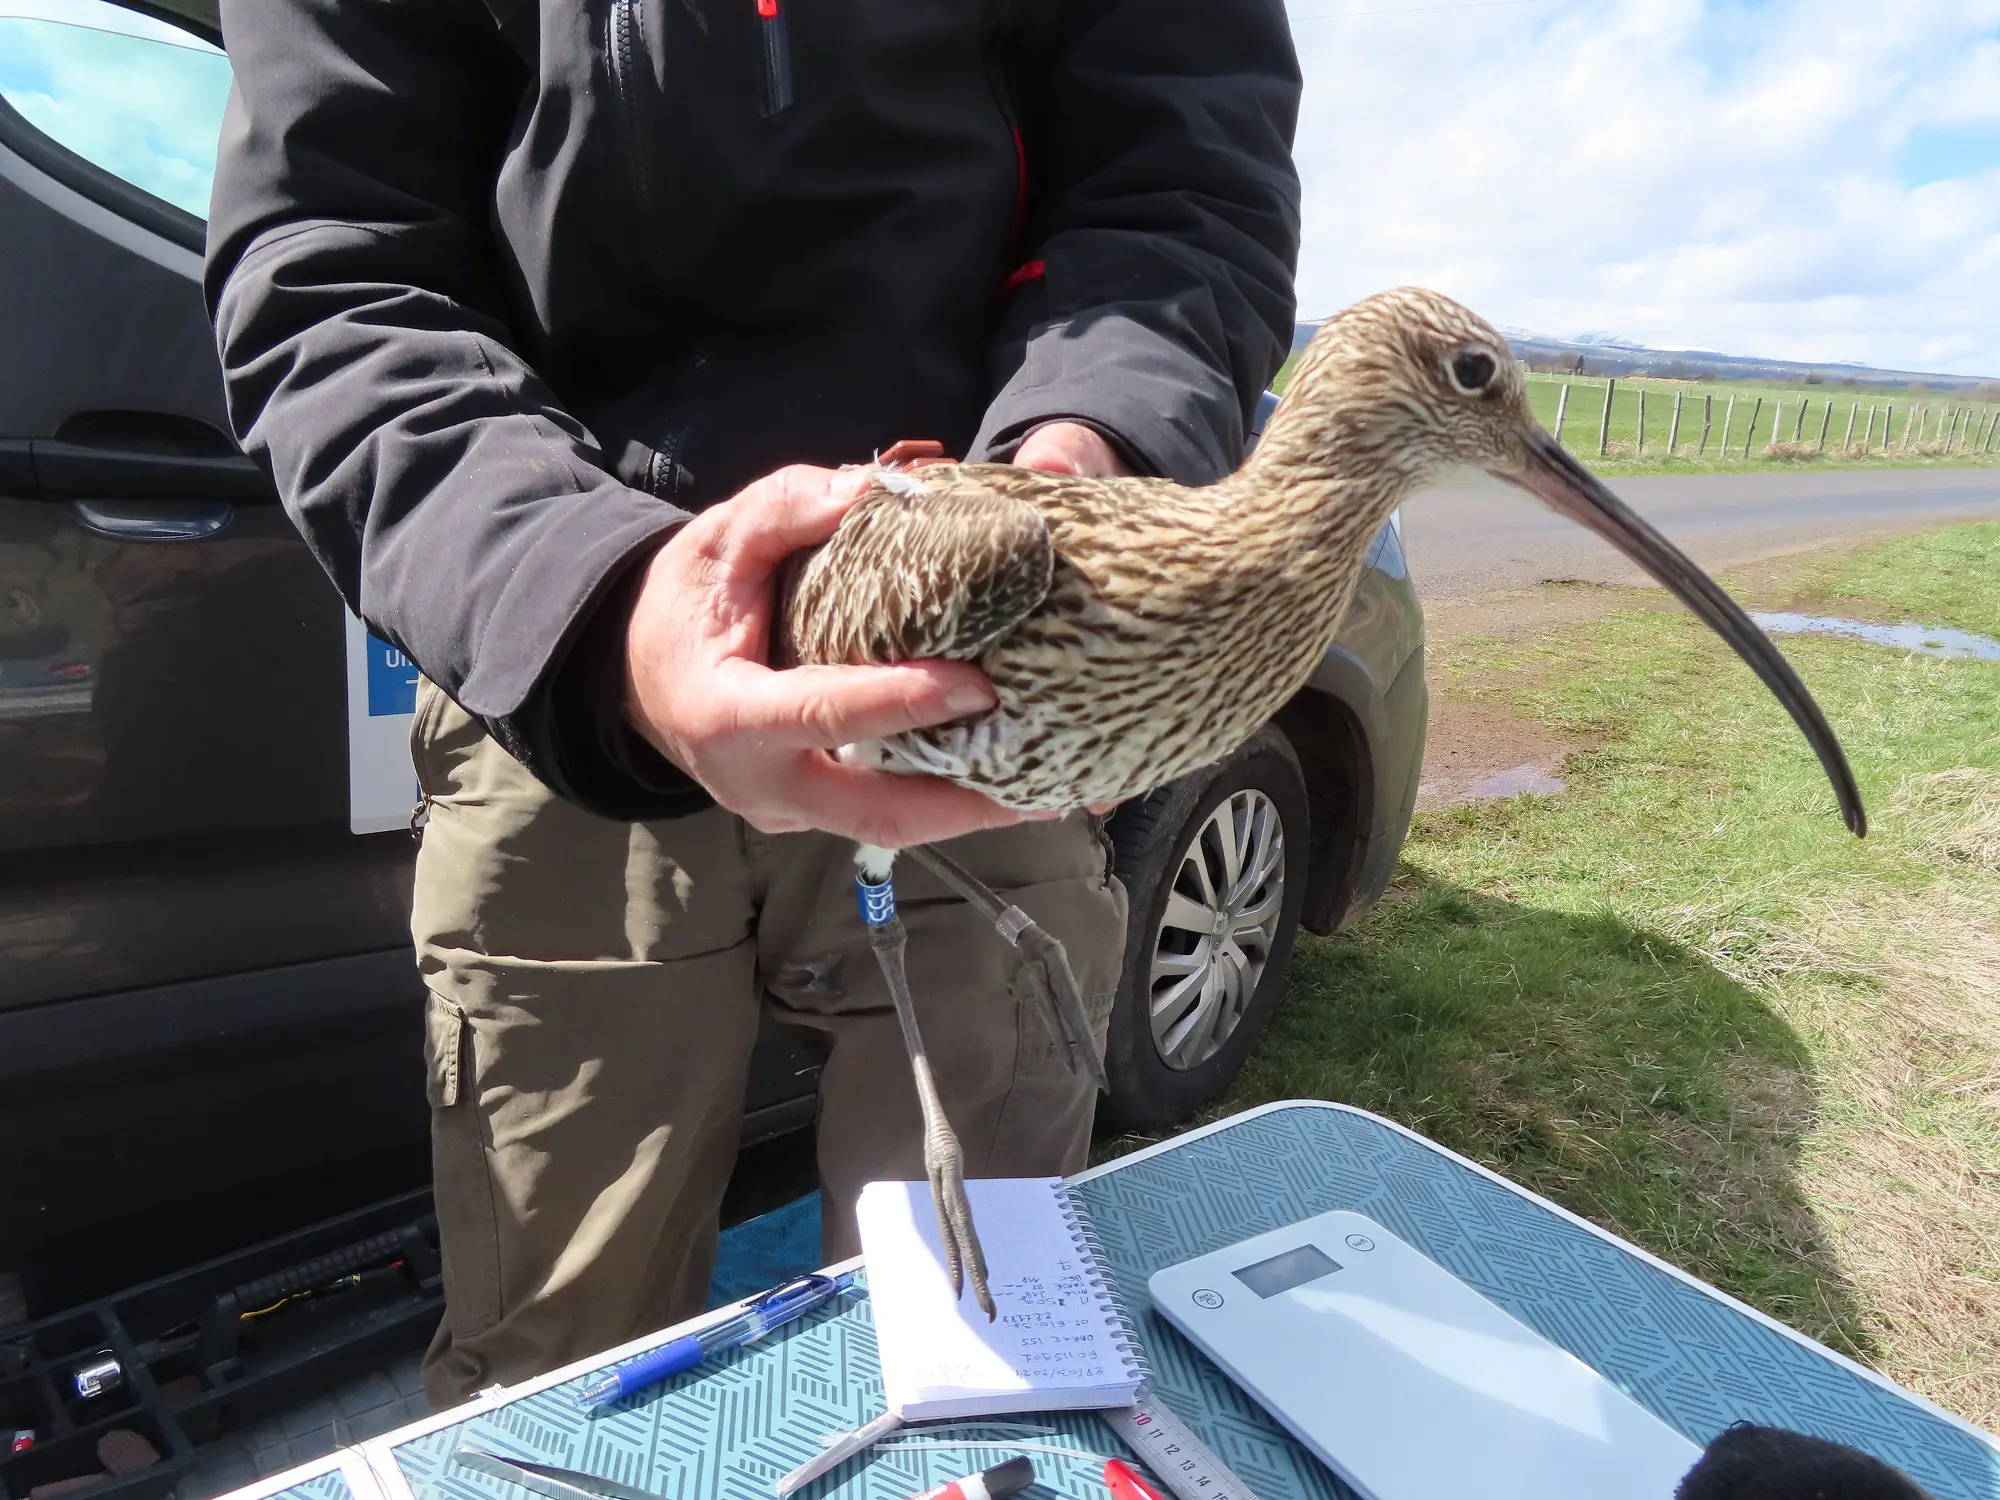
(367,361)
(1166,218)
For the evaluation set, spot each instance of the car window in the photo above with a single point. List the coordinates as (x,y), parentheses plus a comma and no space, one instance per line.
(137,97)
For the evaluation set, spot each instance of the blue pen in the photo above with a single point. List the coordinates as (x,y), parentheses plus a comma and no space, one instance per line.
(782,1304)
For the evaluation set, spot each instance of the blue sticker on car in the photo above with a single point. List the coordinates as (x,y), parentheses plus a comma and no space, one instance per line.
(392,680)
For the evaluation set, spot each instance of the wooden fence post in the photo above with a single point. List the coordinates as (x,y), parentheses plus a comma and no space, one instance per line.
(1562,410)
(1992,427)
(1707,416)
(1825,422)
(1847,442)
(1674,428)
(1910,424)
(1888,421)
(1604,422)
(1799,423)
(1777,421)
(1728,416)
(1750,432)
(1639,442)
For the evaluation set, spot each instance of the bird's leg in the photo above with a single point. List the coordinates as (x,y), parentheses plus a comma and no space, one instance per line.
(944,1161)
(1044,959)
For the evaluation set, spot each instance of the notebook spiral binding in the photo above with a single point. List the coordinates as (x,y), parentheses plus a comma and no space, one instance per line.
(1130,1350)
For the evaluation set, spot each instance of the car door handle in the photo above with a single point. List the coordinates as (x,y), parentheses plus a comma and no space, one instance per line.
(50,469)
(153,520)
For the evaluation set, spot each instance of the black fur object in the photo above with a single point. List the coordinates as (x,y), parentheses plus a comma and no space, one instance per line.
(1767,1463)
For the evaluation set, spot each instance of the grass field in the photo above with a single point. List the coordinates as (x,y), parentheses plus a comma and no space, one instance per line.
(1779,424)
(1681,1000)
(1731,408)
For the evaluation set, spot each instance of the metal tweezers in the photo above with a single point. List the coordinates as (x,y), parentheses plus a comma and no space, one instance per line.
(548,1480)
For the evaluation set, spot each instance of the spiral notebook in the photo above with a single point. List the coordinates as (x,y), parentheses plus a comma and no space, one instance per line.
(1060,1343)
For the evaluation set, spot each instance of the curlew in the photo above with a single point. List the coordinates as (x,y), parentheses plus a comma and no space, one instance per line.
(1135,629)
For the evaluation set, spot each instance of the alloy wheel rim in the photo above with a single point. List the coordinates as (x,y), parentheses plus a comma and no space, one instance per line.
(1215,937)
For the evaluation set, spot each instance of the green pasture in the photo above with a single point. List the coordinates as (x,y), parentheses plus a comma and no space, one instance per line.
(1734,426)
(1730,423)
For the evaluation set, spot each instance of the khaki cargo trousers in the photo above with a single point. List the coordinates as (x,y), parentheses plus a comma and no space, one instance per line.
(595,990)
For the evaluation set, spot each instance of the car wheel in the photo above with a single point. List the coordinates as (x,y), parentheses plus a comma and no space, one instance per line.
(1214,866)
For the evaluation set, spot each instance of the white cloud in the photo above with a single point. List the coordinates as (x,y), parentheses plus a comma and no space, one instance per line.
(1692,173)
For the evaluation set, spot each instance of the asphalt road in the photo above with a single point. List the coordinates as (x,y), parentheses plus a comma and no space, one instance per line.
(1463,543)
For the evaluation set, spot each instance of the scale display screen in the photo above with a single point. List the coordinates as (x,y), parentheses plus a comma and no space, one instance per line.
(1281,1273)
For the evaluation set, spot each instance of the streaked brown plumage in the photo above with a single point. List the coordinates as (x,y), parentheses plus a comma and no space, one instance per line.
(1136,629)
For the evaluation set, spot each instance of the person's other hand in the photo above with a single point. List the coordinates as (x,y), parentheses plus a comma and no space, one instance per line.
(1070,448)
(698,688)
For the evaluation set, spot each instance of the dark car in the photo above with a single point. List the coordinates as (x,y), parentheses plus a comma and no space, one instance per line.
(208,1010)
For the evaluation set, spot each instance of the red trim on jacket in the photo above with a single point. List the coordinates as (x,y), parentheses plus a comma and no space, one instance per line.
(1027,271)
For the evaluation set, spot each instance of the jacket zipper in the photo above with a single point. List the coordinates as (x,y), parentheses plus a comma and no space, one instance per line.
(665,474)
(998,81)
(777,50)
(627,57)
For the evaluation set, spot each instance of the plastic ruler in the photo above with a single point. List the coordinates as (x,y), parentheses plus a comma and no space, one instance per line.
(1168,1447)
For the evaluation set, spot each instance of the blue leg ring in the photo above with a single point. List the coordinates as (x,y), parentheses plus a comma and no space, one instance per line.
(877,902)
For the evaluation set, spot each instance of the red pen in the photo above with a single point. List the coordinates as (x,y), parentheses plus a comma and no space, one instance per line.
(996,1483)
(1124,1482)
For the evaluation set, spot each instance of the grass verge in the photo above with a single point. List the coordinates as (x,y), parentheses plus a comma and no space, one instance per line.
(1680,1000)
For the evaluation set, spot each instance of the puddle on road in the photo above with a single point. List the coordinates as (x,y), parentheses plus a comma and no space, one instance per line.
(1530,780)
(1958,644)
(1482,752)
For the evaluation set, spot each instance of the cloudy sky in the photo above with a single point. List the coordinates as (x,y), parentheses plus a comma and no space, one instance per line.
(1806,179)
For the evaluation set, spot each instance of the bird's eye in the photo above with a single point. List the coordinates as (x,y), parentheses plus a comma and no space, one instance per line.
(1471,371)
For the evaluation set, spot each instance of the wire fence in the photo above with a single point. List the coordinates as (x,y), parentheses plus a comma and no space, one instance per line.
(1624,419)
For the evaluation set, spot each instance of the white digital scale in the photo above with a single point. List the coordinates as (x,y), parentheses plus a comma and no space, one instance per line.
(1404,1380)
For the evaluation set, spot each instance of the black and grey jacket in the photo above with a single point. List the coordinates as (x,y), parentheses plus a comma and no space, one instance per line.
(505,289)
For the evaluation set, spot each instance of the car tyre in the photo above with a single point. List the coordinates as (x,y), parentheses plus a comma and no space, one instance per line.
(1171,850)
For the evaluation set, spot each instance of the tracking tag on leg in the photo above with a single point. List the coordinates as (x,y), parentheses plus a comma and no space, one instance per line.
(877,902)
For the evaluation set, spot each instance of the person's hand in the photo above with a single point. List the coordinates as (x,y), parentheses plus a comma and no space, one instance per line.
(1070,448)
(698,688)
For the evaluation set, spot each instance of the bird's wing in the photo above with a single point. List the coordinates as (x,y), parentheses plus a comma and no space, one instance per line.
(941,566)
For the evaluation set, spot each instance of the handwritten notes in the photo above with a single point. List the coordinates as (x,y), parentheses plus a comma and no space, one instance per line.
(1056,1344)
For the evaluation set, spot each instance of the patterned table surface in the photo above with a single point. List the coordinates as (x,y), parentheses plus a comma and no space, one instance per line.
(1697,1359)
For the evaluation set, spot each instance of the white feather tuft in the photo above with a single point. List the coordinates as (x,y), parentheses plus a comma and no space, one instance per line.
(897,481)
(875,862)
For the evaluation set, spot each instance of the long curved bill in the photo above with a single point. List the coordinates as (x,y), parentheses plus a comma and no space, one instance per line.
(1569,489)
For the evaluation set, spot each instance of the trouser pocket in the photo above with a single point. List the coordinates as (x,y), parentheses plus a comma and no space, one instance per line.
(462,1179)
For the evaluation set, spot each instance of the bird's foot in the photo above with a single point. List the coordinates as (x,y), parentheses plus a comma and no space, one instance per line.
(964,1258)
(1046,964)
(1046,961)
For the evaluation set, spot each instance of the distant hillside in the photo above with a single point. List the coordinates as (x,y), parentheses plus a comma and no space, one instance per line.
(1610,354)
